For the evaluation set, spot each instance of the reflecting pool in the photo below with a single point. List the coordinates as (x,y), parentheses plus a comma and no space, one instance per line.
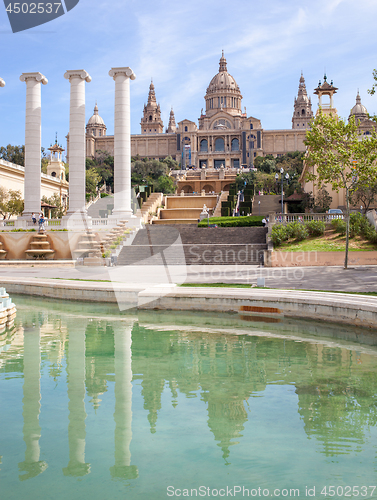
(145,405)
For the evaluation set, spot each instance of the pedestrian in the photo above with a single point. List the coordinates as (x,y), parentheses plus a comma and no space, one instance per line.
(41,222)
(33,218)
(264,222)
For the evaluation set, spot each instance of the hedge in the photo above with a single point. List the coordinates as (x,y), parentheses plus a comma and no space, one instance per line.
(252,220)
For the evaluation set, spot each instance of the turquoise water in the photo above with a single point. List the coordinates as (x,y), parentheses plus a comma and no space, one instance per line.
(99,405)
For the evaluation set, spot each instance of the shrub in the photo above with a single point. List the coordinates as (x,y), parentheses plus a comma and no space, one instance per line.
(252,220)
(339,226)
(315,227)
(279,234)
(103,195)
(297,231)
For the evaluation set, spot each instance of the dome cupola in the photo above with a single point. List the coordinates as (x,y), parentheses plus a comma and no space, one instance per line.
(223,93)
(359,111)
(96,125)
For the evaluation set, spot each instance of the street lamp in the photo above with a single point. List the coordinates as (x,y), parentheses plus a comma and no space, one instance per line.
(282,180)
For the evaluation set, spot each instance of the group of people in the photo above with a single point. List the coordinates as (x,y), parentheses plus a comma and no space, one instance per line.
(41,220)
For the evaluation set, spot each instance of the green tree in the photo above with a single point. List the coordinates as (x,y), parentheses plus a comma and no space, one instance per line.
(13,154)
(340,157)
(92,181)
(55,200)
(165,184)
(364,196)
(15,204)
(4,195)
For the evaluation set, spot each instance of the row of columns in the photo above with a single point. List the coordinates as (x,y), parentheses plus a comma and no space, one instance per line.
(32,466)
(77,153)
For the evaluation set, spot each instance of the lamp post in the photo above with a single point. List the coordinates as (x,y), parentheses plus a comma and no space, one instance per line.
(282,180)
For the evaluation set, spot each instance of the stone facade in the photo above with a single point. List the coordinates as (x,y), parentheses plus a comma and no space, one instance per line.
(224,135)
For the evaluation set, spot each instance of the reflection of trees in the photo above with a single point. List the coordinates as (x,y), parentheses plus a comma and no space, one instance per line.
(334,389)
(336,405)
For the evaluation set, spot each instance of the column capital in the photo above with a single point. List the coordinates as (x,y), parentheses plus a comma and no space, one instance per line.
(114,72)
(2,83)
(80,73)
(34,76)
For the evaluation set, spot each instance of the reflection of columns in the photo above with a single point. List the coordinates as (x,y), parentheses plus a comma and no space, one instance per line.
(122,142)
(77,80)
(32,182)
(32,396)
(123,405)
(76,405)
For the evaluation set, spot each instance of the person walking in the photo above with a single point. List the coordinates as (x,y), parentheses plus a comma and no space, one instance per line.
(33,218)
(41,222)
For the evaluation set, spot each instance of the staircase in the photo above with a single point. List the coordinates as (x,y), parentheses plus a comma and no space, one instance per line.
(40,248)
(151,205)
(185,209)
(184,244)
(3,253)
(102,207)
(268,203)
(223,197)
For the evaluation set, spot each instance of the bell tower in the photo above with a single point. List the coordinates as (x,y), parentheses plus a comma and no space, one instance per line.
(326,89)
(302,111)
(151,122)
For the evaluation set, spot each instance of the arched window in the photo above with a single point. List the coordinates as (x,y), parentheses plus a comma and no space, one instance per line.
(53,174)
(219,144)
(150,118)
(235,145)
(186,128)
(251,126)
(204,146)
(303,112)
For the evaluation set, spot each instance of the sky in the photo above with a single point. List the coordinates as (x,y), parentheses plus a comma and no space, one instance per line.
(179,44)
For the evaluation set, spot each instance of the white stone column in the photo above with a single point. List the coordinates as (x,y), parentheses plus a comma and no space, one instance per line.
(122,142)
(77,79)
(2,83)
(123,404)
(76,405)
(32,465)
(32,182)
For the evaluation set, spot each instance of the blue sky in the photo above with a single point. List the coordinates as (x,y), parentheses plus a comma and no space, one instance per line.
(266,44)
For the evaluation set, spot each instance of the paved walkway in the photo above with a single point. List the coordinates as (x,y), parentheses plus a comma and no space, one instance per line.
(356,279)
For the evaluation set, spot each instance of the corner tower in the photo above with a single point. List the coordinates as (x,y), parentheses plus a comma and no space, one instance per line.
(151,122)
(302,112)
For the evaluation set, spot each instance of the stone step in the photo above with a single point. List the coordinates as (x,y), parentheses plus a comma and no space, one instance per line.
(166,235)
(192,254)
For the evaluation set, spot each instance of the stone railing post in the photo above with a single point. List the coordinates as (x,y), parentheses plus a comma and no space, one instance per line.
(32,180)
(77,79)
(122,142)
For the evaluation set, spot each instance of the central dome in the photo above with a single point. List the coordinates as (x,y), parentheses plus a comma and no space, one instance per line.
(223,93)
(95,119)
(223,80)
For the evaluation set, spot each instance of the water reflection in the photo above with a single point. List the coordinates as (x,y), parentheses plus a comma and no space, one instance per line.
(76,394)
(220,364)
(31,401)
